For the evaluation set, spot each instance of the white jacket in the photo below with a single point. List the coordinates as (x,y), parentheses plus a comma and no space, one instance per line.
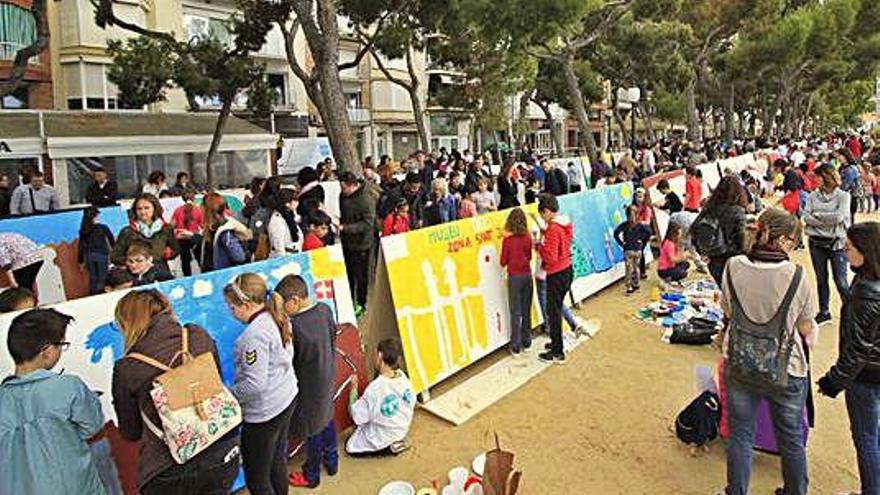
(280,239)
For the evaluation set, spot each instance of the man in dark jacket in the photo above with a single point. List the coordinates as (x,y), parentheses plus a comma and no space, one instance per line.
(102,191)
(357,228)
(556,180)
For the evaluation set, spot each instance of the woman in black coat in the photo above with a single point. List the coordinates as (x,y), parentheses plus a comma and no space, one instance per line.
(857,369)
(507,188)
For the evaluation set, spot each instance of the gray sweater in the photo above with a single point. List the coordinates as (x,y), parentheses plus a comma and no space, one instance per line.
(265,383)
(828,215)
(45,199)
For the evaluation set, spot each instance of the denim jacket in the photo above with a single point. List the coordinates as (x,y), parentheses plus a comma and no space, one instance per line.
(45,420)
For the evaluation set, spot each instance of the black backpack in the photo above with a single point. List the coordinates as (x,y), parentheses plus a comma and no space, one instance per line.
(699,422)
(707,235)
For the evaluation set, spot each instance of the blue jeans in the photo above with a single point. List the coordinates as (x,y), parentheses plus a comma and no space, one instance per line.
(820,257)
(567,315)
(321,449)
(863,405)
(97,266)
(787,412)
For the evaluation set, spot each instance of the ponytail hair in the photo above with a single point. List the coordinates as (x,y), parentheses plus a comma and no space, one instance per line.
(251,288)
(275,307)
(287,288)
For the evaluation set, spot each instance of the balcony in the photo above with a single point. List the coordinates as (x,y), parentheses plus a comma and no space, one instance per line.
(8,49)
(359,115)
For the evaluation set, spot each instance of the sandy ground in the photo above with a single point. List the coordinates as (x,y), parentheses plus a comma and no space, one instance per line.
(600,423)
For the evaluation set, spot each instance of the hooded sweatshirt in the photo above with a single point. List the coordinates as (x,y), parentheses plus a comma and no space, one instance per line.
(556,248)
(828,215)
(45,420)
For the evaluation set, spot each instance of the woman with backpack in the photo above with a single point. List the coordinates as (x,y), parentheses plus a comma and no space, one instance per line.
(718,232)
(857,370)
(827,216)
(265,383)
(226,239)
(764,286)
(150,328)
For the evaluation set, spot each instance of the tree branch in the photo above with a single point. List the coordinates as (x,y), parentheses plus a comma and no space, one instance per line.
(367,41)
(104,17)
(23,55)
(400,82)
(289,39)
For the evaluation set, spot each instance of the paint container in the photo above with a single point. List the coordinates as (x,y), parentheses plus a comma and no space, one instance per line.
(479,464)
(452,490)
(458,476)
(398,488)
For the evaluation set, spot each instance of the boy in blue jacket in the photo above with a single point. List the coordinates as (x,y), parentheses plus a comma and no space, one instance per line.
(632,237)
(37,405)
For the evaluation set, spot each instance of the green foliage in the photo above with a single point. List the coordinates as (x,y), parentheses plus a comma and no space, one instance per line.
(146,67)
(142,70)
(671,108)
(844,104)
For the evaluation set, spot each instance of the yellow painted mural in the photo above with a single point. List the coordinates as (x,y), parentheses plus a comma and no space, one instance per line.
(449,295)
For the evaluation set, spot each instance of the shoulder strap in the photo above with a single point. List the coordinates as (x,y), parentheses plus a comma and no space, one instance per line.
(148,360)
(33,204)
(789,294)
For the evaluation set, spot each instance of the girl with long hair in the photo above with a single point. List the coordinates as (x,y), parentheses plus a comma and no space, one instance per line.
(755,288)
(283,230)
(225,237)
(827,216)
(727,204)
(146,225)
(857,369)
(149,327)
(95,243)
(516,256)
(265,384)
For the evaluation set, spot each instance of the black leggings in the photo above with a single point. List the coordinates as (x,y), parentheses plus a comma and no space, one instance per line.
(264,454)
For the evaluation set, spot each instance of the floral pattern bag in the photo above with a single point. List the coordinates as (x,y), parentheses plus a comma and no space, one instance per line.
(194,406)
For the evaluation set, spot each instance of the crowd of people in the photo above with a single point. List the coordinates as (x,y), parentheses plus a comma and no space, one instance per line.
(284,370)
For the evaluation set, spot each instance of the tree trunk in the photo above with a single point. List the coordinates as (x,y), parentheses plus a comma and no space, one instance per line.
(225,110)
(319,24)
(694,132)
(577,98)
(522,118)
(551,123)
(729,112)
(649,124)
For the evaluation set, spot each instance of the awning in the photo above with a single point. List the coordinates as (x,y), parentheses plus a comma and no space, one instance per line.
(123,133)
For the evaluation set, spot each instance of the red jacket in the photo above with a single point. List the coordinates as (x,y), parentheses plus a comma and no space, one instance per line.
(395,224)
(791,202)
(516,254)
(556,248)
(311,241)
(693,194)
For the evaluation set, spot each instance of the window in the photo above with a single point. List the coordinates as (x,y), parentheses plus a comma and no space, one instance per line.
(74,104)
(197,26)
(353,100)
(17,30)
(278,84)
(16,99)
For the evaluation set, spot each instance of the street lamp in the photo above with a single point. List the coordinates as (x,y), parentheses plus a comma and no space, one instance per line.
(631,97)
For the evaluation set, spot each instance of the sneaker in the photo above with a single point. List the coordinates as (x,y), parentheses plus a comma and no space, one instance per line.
(630,290)
(548,346)
(299,480)
(643,276)
(550,357)
(823,318)
(400,446)
(331,470)
(515,354)
(527,346)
